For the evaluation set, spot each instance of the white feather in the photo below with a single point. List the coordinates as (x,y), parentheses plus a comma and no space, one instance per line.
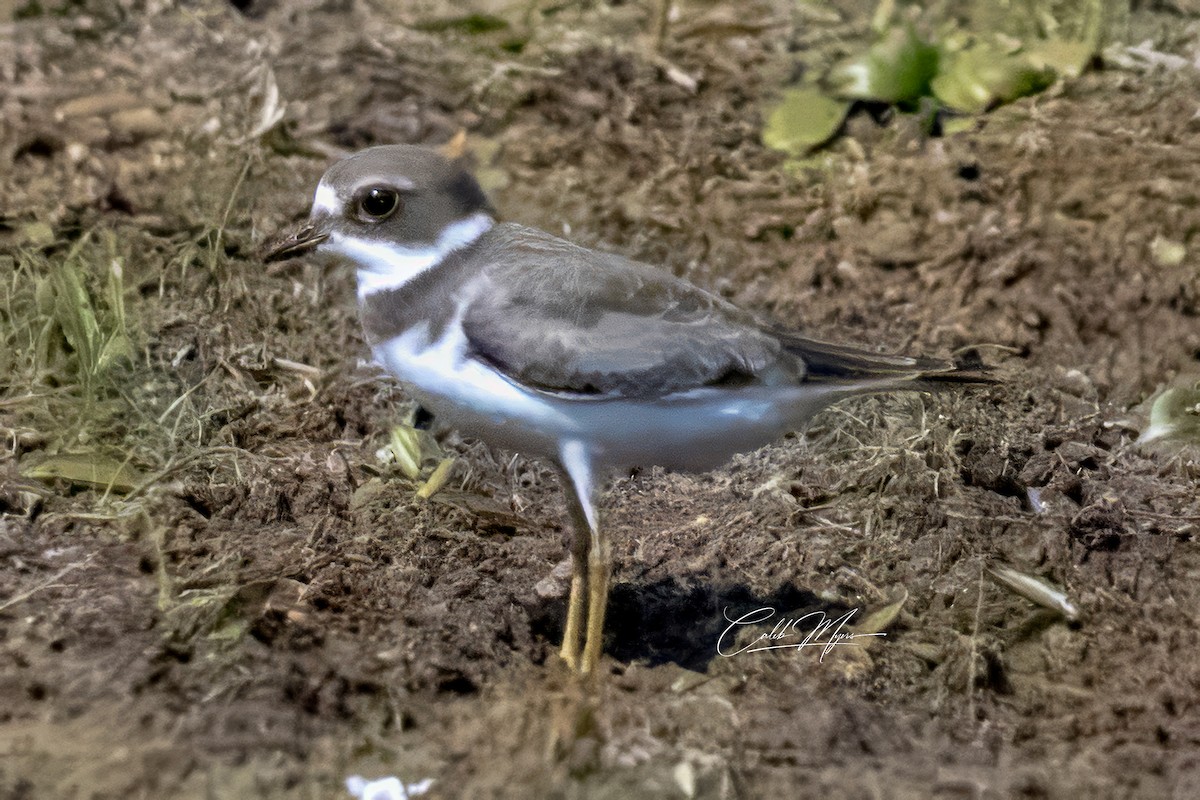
(325,201)
(384,265)
(442,372)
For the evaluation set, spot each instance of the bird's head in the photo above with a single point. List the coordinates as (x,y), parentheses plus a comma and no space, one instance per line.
(392,212)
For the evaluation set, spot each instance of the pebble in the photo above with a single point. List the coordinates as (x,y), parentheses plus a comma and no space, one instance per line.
(137,123)
(99,105)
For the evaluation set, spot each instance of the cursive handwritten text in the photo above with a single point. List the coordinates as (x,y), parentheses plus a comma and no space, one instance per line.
(814,629)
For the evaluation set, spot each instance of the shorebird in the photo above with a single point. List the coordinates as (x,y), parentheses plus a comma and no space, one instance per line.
(585,358)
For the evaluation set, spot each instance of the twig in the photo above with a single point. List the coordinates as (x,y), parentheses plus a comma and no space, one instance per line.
(974,651)
(46,584)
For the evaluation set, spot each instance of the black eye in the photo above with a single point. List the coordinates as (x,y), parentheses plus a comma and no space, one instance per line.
(379,203)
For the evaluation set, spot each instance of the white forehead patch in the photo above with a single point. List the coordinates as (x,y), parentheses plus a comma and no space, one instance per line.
(325,200)
(384,265)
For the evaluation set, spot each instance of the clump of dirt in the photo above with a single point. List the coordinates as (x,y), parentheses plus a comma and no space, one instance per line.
(269,607)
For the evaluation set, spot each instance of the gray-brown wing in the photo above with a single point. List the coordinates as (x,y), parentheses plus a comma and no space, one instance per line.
(565,319)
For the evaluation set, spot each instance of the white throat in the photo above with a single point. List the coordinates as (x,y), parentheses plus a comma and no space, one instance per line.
(383,265)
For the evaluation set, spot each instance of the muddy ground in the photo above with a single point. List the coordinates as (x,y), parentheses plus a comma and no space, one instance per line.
(258,606)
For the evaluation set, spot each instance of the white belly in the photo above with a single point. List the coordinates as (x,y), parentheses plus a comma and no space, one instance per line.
(695,430)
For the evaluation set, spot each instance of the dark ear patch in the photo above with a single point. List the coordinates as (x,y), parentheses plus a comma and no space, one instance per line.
(466,194)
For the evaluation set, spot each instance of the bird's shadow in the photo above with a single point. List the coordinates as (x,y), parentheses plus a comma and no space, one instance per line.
(669,621)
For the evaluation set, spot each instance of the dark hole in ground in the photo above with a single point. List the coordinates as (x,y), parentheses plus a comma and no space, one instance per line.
(673,622)
(253,9)
(458,684)
(40,146)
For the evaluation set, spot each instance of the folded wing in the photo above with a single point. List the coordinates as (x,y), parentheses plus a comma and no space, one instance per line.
(565,319)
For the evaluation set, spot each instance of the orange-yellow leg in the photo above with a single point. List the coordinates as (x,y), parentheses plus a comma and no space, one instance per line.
(573,634)
(590,565)
(599,571)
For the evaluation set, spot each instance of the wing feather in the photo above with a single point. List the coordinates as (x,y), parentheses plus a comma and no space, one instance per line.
(567,319)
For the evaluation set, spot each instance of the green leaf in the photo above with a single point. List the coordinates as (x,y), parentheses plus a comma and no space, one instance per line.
(37,234)
(954,124)
(117,347)
(470,24)
(978,79)
(897,69)
(405,449)
(86,469)
(882,619)
(74,313)
(803,120)
(1068,58)
(1174,416)
(437,480)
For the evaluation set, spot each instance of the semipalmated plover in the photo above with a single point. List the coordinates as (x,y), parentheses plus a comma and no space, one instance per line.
(585,358)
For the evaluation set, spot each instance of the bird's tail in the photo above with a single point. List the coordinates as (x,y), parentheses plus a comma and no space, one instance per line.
(844,364)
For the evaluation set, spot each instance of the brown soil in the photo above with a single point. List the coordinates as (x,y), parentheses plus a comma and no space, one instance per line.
(272,609)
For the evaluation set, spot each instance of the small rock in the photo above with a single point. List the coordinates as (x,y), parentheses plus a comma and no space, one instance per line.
(554,586)
(685,778)
(1075,383)
(98,105)
(549,589)
(1166,252)
(390,788)
(137,123)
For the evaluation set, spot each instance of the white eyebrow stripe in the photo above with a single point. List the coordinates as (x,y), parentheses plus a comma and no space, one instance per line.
(397,182)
